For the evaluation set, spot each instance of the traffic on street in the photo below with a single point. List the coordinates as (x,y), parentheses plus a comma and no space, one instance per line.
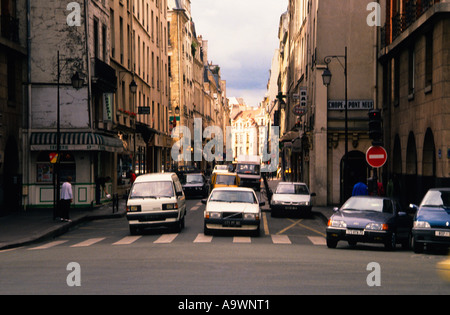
(290,256)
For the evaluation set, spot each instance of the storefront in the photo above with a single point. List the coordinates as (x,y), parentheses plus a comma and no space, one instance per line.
(85,156)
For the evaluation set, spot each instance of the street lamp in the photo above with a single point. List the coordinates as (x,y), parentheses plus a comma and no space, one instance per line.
(77,83)
(133,90)
(326,77)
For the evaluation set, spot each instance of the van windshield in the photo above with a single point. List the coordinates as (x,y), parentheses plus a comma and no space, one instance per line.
(155,190)
(252,169)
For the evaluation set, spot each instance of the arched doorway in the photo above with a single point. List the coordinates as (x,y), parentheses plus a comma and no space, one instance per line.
(410,178)
(12,181)
(357,171)
(428,162)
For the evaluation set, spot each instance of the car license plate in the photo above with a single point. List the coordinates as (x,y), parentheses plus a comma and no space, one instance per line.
(231,223)
(355,232)
(442,233)
(291,208)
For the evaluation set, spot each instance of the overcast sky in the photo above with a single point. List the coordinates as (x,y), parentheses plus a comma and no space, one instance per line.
(242,36)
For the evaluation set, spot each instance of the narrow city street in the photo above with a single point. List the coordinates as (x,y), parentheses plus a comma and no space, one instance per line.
(291,260)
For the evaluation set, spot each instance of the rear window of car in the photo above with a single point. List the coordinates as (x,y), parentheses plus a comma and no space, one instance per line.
(157,189)
(233,196)
(292,189)
(225,180)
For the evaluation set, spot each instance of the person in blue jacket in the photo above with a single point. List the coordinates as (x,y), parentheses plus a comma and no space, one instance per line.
(360,189)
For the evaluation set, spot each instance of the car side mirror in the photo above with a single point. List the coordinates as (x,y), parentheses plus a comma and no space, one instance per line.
(335,209)
(313,194)
(402,214)
(262,203)
(204,201)
(413,207)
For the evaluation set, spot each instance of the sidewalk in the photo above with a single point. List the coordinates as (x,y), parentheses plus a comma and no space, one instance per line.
(22,228)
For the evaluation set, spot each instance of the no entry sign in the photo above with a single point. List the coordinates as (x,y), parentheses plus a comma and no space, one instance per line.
(376,156)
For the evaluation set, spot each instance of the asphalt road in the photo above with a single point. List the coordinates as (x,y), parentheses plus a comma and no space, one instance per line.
(289,258)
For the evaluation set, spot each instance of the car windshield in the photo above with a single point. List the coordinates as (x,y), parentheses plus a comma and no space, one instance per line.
(233,196)
(226,180)
(155,190)
(368,204)
(292,189)
(193,179)
(248,169)
(436,198)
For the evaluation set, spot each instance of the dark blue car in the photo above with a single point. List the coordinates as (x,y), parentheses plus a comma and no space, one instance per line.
(432,220)
(370,219)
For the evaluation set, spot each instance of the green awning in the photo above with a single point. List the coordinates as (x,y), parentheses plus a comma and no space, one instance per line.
(75,141)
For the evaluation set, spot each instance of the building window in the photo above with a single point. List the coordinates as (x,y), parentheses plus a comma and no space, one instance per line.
(396,82)
(411,72)
(428,61)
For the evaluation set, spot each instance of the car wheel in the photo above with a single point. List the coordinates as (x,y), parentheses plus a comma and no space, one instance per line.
(133,230)
(391,243)
(331,243)
(407,243)
(418,247)
(206,231)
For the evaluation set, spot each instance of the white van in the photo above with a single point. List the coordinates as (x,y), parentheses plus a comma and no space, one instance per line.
(156,200)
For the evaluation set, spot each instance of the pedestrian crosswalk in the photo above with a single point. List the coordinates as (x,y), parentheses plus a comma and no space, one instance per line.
(175,237)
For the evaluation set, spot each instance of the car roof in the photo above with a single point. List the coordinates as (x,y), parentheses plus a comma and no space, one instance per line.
(234,189)
(154,177)
(440,189)
(291,183)
(226,173)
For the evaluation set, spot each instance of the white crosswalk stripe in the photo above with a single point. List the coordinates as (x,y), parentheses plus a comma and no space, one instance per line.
(166,239)
(48,245)
(127,240)
(89,242)
(202,238)
(242,239)
(317,240)
(280,239)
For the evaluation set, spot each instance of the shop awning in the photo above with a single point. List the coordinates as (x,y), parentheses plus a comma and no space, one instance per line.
(75,141)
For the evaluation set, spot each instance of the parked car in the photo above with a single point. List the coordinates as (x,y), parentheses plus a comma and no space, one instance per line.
(370,219)
(195,184)
(292,198)
(232,208)
(156,200)
(224,179)
(432,220)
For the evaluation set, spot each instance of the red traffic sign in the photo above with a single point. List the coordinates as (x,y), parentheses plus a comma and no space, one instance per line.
(376,156)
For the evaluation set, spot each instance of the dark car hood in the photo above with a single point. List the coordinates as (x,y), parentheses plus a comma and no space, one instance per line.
(436,216)
(359,219)
(192,185)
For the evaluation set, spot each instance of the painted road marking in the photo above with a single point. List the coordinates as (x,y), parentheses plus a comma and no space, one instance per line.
(202,238)
(48,245)
(127,240)
(89,242)
(280,239)
(166,239)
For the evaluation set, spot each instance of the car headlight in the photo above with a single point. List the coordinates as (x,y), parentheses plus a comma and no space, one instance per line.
(251,216)
(422,224)
(170,206)
(337,223)
(213,215)
(377,227)
(303,203)
(276,202)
